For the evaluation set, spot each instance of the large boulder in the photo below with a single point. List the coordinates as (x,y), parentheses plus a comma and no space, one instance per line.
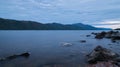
(101,54)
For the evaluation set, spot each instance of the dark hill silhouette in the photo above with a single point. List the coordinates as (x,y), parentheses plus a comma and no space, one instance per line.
(9,24)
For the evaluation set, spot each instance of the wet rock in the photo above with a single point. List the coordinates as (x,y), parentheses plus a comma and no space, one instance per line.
(117,59)
(109,44)
(101,54)
(118,64)
(88,35)
(82,41)
(12,57)
(26,55)
(94,33)
(113,35)
(67,44)
(100,35)
(113,41)
(108,36)
(2,59)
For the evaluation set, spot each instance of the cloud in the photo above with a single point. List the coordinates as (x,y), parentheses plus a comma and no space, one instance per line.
(109,24)
(62,11)
(40,4)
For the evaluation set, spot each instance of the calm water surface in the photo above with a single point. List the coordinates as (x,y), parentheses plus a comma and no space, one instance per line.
(46,47)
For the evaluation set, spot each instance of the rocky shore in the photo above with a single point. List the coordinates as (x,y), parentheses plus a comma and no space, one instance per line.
(113,35)
(101,54)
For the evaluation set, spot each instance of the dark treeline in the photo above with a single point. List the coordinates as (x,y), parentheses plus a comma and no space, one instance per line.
(8,24)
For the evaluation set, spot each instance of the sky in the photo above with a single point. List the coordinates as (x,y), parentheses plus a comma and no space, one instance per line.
(99,13)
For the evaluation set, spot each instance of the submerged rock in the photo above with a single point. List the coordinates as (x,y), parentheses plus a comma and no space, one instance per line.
(94,33)
(82,41)
(88,35)
(114,41)
(26,55)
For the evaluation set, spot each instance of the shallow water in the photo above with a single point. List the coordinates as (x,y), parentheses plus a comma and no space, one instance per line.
(46,47)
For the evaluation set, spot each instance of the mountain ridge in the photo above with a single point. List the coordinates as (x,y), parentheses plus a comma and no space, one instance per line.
(11,24)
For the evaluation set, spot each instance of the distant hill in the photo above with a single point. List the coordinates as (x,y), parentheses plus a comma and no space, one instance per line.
(9,24)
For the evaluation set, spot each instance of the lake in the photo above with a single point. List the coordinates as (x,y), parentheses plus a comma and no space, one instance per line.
(46,47)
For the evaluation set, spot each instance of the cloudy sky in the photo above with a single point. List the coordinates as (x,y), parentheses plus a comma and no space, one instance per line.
(99,13)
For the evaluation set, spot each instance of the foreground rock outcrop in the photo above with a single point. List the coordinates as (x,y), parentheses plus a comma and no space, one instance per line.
(100,54)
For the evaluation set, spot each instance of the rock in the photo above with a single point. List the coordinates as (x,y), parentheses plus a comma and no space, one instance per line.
(12,57)
(113,41)
(94,33)
(118,64)
(88,35)
(100,35)
(91,60)
(113,35)
(101,54)
(82,41)
(98,48)
(117,59)
(2,59)
(108,36)
(67,44)
(26,55)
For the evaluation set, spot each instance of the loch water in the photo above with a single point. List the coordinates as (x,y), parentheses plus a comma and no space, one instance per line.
(46,47)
